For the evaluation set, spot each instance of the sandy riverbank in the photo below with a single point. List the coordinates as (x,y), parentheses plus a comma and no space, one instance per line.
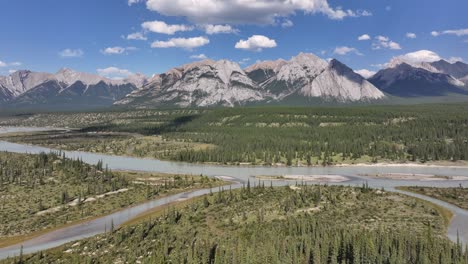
(415,176)
(305,178)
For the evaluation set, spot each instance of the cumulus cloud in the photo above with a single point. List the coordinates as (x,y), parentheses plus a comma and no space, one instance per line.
(256,43)
(287,23)
(199,57)
(185,43)
(244,61)
(365,73)
(71,53)
(131,2)
(136,36)
(163,28)
(116,50)
(383,42)
(218,29)
(114,73)
(420,56)
(410,35)
(454,59)
(364,37)
(247,11)
(456,32)
(10,64)
(345,50)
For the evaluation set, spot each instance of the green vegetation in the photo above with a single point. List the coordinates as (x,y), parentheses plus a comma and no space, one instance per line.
(267,135)
(45,191)
(297,224)
(456,196)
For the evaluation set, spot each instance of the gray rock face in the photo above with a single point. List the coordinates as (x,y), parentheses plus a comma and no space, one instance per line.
(409,81)
(457,69)
(309,76)
(204,83)
(208,83)
(66,87)
(341,83)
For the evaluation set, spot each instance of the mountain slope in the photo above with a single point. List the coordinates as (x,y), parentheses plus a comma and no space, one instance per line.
(341,83)
(204,83)
(457,69)
(21,81)
(5,95)
(282,78)
(307,76)
(408,81)
(64,89)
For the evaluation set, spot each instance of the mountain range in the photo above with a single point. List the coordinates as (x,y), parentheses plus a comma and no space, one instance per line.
(304,79)
(66,88)
(406,79)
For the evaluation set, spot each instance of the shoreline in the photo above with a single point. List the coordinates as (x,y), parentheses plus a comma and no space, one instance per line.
(9,130)
(440,164)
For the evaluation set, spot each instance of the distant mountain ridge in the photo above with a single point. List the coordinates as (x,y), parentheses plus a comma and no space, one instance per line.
(304,79)
(211,83)
(66,87)
(408,79)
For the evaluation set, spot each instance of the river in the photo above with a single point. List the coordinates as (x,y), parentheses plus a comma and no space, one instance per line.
(238,174)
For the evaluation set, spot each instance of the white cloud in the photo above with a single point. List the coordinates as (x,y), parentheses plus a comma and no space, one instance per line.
(199,57)
(131,2)
(379,65)
(454,59)
(114,73)
(163,28)
(244,61)
(246,11)
(71,53)
(345,50)
(256,43)
(388,8)
(287,23)
(116,50)
(410,35)
(218,29)
(420,56)
(456,32)
(12,71)
(364,37)
(11,64)
(383,42)
(365,73)
(185,43)
(136,36)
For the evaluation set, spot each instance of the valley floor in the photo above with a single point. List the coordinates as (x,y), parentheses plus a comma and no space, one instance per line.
(39,193)
(416,135)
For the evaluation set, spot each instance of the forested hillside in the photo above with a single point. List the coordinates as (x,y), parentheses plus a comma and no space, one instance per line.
(44,191)
(297,224)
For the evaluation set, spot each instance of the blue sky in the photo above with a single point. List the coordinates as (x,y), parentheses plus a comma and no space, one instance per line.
(88,35)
